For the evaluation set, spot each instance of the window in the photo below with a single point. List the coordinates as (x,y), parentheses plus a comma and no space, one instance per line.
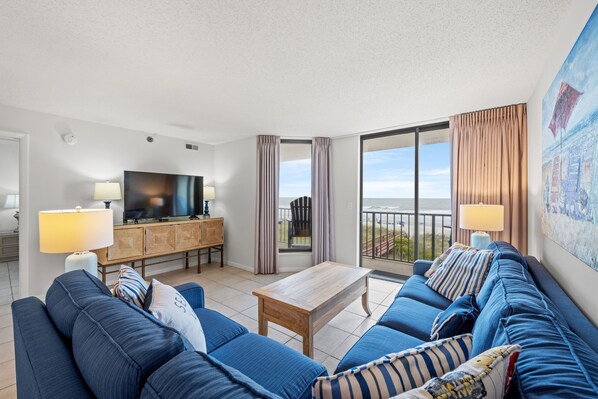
(294,213)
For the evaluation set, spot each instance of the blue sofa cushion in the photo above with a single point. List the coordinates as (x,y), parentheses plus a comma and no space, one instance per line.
(278,368)
(197,375)
(500,268)
(415,288)
(44,362)
(554,362)
(510,296)
(193,293)
(411,317)
(69,294)
(217,328)
(577,321)
(458,318)
(504,250)
(375,343)
(117,346)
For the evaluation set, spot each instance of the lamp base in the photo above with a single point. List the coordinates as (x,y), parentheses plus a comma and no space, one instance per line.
(86,260)
(206,209)
(480,240)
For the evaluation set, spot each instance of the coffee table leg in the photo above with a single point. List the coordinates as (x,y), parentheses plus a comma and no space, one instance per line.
(308,339)
(365,298)
(262,322)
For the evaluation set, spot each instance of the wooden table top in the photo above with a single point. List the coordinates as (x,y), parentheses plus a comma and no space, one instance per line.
(308,290)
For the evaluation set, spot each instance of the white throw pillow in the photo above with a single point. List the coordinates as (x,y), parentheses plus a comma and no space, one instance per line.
(170,307)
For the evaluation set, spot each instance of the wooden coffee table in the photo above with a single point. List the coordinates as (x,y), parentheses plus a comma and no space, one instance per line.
(306,301)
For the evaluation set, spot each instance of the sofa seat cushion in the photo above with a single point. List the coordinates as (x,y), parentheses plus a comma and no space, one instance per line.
(509,296)
(554,362)
(411,317)
(278,368)
(500,268)
(375,343)
(217,328)
(69,294)
(117,346)
(504,250)
(415,288)
(197,375)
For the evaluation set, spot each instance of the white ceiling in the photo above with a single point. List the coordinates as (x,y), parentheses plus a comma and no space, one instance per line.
(216,71)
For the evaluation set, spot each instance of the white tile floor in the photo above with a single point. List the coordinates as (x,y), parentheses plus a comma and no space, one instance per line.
(228,291)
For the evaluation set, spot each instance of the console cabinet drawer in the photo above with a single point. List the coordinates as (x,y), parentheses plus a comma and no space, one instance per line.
(9,246)
(159,239)
(128,243)
(212,232)
(187,236)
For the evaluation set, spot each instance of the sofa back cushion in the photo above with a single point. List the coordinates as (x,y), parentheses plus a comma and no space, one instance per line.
(504,250)
(500,268)
(117,346)
(69,294)
(197,375)
(509,296)
(554,362)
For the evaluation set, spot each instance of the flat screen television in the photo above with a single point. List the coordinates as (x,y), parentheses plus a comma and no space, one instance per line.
(161,195)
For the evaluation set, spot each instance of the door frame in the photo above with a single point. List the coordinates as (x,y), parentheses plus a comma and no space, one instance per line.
(24,214)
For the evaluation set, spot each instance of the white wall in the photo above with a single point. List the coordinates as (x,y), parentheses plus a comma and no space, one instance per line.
(9,181)
(345,164)
(63,176)
(578,279)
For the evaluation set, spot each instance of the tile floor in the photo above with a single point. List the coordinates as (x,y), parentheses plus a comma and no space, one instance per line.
(228,291)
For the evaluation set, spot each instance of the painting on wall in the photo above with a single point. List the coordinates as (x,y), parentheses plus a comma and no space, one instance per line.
(570,150)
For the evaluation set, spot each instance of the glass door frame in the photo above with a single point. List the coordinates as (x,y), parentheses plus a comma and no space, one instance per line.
(416,130)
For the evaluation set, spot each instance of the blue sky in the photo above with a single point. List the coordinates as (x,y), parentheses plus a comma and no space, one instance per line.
(386,174)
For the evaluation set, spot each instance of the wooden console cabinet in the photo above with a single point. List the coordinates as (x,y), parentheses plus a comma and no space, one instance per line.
(139,242)
(9,246)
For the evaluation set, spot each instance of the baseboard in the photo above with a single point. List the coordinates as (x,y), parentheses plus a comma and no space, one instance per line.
(250,269)
(292,269)
(238,265)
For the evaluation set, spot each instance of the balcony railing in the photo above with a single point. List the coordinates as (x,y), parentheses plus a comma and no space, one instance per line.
(391,235)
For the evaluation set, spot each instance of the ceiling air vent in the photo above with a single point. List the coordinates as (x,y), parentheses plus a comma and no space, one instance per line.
(191,147)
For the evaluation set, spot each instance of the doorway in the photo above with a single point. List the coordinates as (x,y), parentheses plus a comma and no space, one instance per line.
(9,220)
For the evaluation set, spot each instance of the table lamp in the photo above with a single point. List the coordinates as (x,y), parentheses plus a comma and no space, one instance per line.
(481,218)
(209,193)
(12,202)
(78,231)
(107,192)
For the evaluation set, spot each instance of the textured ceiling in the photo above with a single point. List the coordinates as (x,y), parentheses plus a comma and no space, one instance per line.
(216,71)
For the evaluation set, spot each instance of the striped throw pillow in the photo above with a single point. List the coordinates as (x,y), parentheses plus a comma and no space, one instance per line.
(395,373)
(130,287)
(463,272)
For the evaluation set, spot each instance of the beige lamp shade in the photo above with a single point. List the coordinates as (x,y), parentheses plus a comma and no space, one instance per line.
(75,230)
(107,191)
(482,217)
(209,193)
(12,201)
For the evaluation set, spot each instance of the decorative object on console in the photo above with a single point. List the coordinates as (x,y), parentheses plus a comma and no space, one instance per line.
(107,192)
(209,193)
(12,202)
(463,272)
(486,376)
(482,218)
(76,230)
(130,286)
(396,373)
(458,318)
(569,136)
(169,306)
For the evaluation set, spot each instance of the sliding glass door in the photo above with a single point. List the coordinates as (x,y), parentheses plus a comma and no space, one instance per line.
(405,197)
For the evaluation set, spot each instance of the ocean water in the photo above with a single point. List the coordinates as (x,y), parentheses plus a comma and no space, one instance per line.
(426,205)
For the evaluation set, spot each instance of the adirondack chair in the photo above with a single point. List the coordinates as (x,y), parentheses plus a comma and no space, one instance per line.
(300,223)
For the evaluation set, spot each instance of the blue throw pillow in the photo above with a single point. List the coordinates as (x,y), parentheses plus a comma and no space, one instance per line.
(458,318)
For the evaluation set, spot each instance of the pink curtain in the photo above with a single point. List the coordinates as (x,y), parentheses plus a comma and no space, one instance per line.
(266,211)
(489,165)
(322,246)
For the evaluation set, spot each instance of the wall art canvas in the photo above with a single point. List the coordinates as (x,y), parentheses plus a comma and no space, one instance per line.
(570,150)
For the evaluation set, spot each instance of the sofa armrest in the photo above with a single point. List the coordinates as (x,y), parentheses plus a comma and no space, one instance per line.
(421,266)
(193,293)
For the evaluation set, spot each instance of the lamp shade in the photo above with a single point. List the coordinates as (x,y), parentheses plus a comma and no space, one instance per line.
(12,201)
(107,191)
(75,230)
(482,217)
(209,193)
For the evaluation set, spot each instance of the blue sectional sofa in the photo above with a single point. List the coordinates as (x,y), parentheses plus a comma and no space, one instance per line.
(85,343)
(521,304)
